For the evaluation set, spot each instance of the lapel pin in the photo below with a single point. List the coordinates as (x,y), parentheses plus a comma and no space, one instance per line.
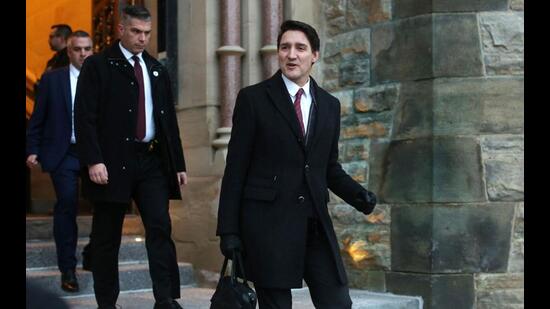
(155,73)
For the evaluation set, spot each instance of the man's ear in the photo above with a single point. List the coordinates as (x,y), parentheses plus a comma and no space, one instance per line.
(315,57)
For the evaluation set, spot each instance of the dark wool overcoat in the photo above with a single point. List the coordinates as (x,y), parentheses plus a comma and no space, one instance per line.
(268,164)
(106,117)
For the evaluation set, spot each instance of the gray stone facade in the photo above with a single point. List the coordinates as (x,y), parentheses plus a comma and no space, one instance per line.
(432,121)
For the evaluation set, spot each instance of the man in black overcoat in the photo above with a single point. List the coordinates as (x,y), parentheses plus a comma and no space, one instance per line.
(130,145)
(282,159)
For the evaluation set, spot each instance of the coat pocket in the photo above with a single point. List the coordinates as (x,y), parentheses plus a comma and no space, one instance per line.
(262,194)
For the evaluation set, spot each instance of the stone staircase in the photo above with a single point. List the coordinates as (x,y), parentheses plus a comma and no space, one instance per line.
(135,283)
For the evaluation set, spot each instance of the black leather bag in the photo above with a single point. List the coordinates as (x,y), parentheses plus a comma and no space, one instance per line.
(230,293)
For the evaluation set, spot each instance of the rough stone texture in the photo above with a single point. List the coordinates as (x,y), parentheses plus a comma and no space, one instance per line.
(456,47)
(346,101)
(370,130)
(477,239)
(517,255)
(357,170)
(471,106)
(499,291)
(414,110)
(503,42)
(376,99)
(433,169)
(504,164)
(367,238)
(361,13)
(335,11)
(354,69)
(437,291)
(516,5)
(377,157)
(357,41)
(406,8)
(193,223)
(331,76)
(394,45)
(357,150)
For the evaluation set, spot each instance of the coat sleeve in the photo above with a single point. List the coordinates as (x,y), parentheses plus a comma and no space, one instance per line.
(39,115)
(239,154)
(338,180)
(86,110)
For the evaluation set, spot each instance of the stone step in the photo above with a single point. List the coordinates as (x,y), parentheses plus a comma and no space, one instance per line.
(41,253)
(199,298)
(41,227)
(132,276)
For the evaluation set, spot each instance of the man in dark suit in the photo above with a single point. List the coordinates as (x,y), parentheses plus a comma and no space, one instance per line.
(282,158)
(129,143)
(51,141)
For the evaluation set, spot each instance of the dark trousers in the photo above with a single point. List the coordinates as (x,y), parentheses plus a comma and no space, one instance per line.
(320,275)
(65,230)
(150,192)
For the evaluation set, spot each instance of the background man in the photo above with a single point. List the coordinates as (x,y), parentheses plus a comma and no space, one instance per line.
(58,43)
(51,141)
(282,157)
(129,143)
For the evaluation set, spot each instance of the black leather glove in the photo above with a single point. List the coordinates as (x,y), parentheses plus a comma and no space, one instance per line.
(230,243)
(368,200)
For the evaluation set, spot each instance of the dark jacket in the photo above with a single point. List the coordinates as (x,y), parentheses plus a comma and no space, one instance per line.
(105,121)
(267,166)
(49,129)
(58,60)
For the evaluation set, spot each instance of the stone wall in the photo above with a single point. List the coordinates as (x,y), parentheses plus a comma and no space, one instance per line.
(432,121)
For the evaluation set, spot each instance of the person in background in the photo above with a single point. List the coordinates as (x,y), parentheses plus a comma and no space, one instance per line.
(51,142)
(58,43)
(130,148)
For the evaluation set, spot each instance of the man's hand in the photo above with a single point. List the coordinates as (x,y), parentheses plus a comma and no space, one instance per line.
(31,160)
(368,200)
(230,243)
(98,174)
(182,178)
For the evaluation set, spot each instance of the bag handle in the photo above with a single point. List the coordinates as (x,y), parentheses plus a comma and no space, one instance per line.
(237,260)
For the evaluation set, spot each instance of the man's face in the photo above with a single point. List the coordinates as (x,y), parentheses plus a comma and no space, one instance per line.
(78,50)
(296,56)
(135,34)
(57,42)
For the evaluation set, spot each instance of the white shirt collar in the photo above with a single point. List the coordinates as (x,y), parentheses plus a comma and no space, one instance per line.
(128,54)
(73,70)
(292,87)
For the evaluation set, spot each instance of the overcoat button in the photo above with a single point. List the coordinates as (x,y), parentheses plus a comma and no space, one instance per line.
(301,199)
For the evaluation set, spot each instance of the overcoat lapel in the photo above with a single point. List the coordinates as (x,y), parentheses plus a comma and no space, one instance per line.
(281,99)
(321,115)
(117,60)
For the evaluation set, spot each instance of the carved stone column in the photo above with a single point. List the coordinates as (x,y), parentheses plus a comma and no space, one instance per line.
(230,53)
(272,10)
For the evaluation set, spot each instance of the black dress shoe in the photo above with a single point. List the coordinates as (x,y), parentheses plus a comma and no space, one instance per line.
(170,304)
(69,282)
(86,258)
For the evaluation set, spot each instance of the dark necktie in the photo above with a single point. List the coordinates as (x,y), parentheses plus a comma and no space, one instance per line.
(298,109)
(140,128)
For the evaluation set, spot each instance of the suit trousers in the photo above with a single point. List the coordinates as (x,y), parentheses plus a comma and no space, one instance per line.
(65,230)
(320,275)
(150,192)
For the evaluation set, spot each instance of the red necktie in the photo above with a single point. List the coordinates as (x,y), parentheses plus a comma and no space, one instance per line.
(298,109)
(140,128)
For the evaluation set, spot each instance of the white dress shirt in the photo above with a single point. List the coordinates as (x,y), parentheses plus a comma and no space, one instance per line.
(149,123)
(73,73)
(305,100)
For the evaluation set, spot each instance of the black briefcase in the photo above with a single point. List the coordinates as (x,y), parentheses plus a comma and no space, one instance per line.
(230,293)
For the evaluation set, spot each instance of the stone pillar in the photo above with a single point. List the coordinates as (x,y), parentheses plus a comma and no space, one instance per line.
(272,12)
(230,54)
(435,90)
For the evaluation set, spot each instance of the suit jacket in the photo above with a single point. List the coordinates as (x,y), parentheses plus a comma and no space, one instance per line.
(106,117)
(49,129)
(268,164)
